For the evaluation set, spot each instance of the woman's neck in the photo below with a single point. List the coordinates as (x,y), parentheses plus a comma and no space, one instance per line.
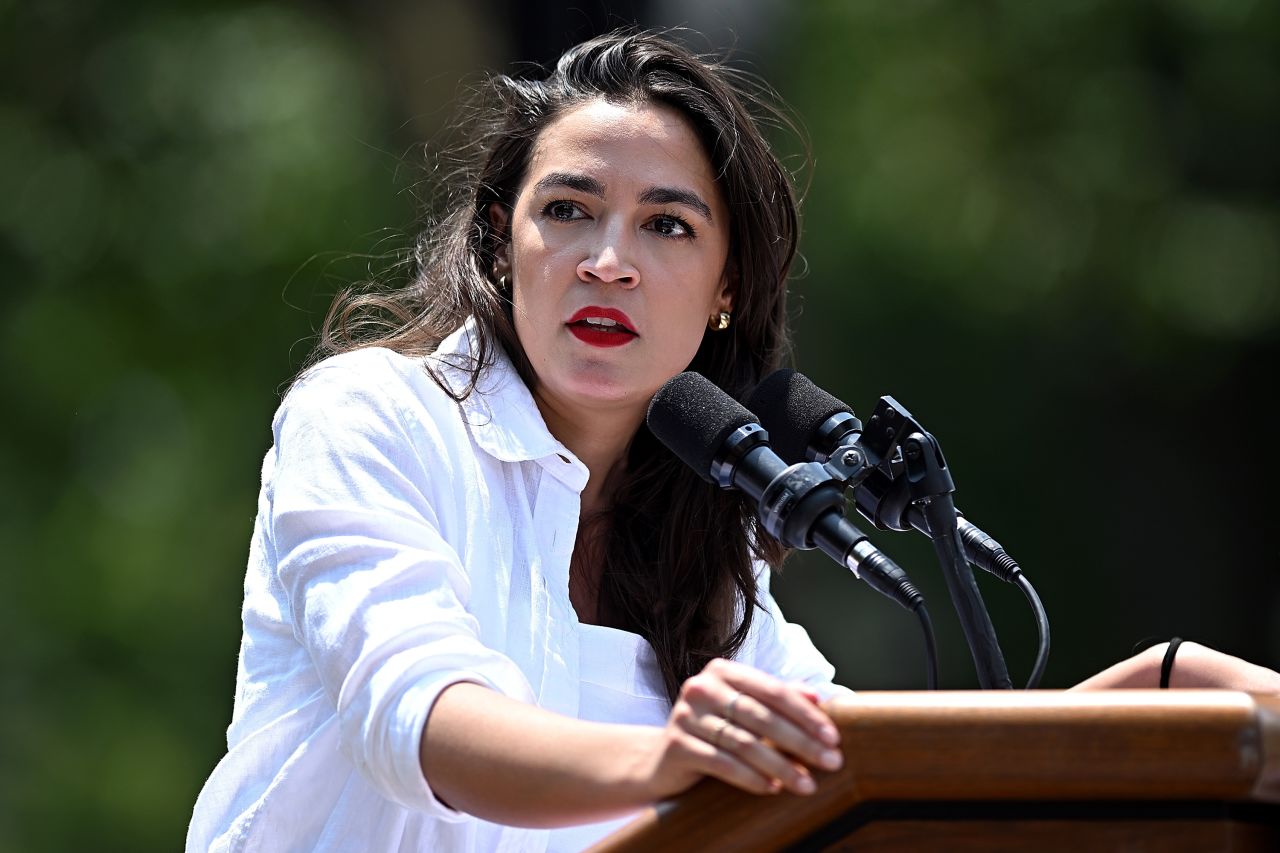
(600,440)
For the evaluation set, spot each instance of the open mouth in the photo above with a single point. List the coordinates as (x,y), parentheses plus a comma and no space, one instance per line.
(602,327)
(602,324)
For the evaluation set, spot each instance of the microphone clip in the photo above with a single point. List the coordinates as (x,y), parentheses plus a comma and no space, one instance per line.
(895,460)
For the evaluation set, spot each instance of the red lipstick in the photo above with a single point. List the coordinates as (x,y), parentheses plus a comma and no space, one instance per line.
(602,327)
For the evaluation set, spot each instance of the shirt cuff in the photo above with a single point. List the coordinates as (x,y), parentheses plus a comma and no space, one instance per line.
(413,789)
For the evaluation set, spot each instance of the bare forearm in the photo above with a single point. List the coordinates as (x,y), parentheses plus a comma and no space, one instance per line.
(513,763)
(490,756)
(1194,666)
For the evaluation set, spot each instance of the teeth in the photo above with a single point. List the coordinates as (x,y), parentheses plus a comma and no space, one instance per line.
(600,321)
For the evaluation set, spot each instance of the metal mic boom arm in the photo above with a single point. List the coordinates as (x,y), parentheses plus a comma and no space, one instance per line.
(893,444)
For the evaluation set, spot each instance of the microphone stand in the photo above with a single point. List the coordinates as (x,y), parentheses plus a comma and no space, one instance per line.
(929,486)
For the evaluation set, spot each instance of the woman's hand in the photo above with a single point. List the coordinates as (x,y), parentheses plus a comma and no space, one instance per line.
(749,729)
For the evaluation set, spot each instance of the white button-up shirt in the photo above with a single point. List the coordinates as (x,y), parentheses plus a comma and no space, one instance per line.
(404,542)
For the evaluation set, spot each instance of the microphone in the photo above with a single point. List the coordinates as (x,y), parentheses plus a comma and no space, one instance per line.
(801,505)
(805,422)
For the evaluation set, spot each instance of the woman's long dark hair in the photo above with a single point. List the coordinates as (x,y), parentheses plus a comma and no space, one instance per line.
(676,551)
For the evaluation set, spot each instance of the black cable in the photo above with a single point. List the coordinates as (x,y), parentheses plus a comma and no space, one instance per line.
(930,644)
(986,553)
(1042,628)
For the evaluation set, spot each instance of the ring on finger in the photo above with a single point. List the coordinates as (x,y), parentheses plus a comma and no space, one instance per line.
(728,708)
(719,732)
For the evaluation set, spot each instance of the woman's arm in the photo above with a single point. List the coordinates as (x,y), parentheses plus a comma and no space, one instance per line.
(509,762)
(1194,666)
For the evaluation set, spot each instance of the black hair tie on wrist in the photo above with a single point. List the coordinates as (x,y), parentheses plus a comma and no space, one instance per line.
(1166,667)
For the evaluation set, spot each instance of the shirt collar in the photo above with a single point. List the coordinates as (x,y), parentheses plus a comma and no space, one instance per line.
(501,414)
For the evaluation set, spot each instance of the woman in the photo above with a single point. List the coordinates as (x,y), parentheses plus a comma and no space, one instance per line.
(482,601)
(481,597)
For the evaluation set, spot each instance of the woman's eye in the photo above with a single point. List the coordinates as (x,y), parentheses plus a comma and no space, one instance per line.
(562,210)
(672,226)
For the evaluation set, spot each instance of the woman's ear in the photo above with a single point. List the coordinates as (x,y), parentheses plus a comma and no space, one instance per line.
(728,290)
(500,221)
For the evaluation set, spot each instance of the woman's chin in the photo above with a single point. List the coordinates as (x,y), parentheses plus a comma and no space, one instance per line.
(601,389)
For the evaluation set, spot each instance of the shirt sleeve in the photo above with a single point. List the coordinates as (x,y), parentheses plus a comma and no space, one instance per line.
(376,594)
(783,648)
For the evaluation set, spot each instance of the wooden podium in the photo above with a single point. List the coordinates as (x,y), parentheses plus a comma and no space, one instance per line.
(1159,770)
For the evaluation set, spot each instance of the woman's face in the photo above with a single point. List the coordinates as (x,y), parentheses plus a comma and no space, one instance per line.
(618,244)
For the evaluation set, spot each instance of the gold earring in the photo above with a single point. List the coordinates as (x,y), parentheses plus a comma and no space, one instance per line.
(502,282)
(719,322)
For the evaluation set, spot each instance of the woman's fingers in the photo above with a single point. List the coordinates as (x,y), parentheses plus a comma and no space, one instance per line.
(735,742)
(728,767)
(757,718)
(762,757)
(779,696)
(755,727)
(776,700)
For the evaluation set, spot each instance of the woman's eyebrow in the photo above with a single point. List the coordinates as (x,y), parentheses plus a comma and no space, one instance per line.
(676,195)
(581,183)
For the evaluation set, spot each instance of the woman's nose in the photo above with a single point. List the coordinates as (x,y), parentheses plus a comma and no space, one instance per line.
(609,263)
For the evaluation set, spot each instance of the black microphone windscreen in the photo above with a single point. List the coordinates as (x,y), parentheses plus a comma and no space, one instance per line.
(693,417)
(791,408)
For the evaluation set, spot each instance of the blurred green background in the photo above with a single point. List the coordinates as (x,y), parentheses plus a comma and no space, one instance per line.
(1049,229)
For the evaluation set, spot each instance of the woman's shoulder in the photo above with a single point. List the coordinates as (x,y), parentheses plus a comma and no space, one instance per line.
(446,398)
(372,388)
(373,362)
(373,372)
(450,372)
